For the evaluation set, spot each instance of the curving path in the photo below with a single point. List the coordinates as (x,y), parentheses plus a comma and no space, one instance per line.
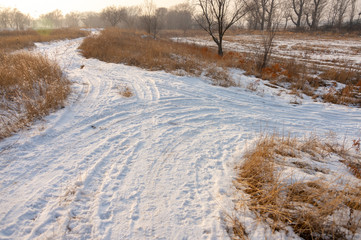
(158,165)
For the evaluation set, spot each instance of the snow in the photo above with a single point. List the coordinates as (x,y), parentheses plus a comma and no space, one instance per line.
(158,165)
(309,49)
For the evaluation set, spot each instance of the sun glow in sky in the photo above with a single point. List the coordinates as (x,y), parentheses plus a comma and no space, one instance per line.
(37,7)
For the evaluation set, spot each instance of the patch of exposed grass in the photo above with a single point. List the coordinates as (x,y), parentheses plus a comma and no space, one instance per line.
(315,208)
(125,91)
(30,87)
(15,40)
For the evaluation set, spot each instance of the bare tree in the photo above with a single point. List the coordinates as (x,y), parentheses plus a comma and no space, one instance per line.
(341,8)
(149,17)
(337,12)
(261,12)
(5,17)
(180,17)
(72,19)
(298,7)
(185,13)
(13,18)
(217,16)
(264,51)
(52,19)
(332,13)
(113,15)
(266,48)
(132,16)
(257,12)
(270,12)
(252,14)
(314,12)
(161,18)
(283,12)
(19,20)
(352,12)
(92,19)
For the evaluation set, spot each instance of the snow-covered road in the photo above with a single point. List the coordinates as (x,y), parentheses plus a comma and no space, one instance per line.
(158,165)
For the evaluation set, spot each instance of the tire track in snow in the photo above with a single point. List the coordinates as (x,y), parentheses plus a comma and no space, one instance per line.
(153,166)
(156,169)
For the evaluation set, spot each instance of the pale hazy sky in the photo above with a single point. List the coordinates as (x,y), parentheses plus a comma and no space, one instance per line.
(38,7)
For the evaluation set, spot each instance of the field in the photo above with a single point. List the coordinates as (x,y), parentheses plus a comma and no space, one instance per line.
(325,67)
(314,49)
(162,139)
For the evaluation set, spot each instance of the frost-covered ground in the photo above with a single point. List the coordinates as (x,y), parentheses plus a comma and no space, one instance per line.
(324,51)
(158,165)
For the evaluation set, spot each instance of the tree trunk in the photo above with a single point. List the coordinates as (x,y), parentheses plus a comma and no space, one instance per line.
(220,50)
(263,18)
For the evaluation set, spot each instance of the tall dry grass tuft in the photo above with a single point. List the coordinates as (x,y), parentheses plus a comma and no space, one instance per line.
(315,209)
(137,49)
(260,181)
(15,40)
(30,87)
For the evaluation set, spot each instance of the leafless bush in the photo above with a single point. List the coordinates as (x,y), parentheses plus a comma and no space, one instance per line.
(267,44)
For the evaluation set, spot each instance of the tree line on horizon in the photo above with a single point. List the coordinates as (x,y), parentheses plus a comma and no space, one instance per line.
(256,15)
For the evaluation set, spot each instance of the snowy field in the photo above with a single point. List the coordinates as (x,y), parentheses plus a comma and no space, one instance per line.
(158,165)
(320,50)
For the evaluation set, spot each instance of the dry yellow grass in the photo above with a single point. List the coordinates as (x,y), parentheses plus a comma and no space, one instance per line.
(306,76)
(30,87)
(315,209)
(300,80)
(14,40)
(137,49)
(125,91)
